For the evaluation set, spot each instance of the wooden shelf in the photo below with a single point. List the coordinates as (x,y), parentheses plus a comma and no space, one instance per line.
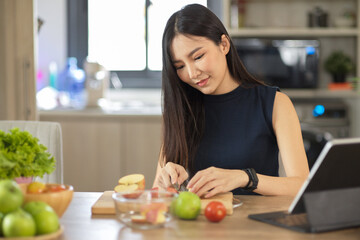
(297,32)
(320,93)
(293,13)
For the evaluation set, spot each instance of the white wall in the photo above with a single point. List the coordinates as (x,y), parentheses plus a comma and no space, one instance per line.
(52,38)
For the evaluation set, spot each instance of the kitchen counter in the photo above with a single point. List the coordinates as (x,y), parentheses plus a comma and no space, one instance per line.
(78,223)
(147,102)
(98,112)
(116,103)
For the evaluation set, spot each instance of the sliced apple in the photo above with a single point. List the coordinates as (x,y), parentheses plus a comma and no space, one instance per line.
(138,219)
(155,216)
(126,188)
(153,206)
(129,191)
(155,192)
(131,185)
(151,216)
(161,217)
(138,179)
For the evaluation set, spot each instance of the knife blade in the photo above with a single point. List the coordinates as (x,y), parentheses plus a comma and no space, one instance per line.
(181,187)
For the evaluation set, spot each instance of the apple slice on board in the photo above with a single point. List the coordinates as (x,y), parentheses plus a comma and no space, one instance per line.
(138,179)
(129,184)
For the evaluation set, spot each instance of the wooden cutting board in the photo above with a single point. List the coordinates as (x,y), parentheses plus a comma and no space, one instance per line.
(105,203)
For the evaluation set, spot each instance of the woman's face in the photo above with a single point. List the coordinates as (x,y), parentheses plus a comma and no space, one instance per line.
(202,64)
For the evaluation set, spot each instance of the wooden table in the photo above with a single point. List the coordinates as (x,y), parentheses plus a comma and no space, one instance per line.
(80,224)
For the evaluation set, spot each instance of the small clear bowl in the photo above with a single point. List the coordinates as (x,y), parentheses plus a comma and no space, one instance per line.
(144,209)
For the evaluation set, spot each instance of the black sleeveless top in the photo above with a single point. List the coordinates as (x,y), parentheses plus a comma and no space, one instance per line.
(238,132)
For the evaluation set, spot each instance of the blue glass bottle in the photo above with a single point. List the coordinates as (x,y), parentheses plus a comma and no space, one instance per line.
(72,82)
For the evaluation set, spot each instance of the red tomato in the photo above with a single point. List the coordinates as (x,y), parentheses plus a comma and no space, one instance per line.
(215,211)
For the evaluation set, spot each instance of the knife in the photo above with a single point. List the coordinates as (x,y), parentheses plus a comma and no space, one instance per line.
(182,187)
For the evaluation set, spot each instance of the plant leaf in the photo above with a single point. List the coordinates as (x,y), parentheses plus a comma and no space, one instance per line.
(21,155)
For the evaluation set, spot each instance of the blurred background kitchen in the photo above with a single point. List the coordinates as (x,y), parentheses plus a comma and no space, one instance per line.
(95,67)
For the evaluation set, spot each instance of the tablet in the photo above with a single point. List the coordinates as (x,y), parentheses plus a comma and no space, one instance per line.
(337,167)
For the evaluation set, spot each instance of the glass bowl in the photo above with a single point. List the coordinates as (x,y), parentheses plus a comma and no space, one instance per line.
(144,209)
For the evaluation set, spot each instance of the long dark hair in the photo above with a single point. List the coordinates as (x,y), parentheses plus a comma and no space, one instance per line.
(183,112)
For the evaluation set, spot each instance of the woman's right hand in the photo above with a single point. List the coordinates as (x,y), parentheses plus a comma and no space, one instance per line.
(170,174)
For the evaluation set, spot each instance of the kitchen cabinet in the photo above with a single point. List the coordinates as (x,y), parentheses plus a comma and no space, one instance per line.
(289,19)
(18,39)
(99,148)
(265,18)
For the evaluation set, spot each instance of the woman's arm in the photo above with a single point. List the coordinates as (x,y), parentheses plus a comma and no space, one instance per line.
(287,129)
(156,180)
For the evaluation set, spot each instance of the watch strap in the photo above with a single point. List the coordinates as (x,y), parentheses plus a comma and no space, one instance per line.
(253,179)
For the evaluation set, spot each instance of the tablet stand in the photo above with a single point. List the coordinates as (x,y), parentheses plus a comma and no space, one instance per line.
(333,209)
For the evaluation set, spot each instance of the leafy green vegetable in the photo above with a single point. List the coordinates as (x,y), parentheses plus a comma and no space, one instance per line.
(22,156)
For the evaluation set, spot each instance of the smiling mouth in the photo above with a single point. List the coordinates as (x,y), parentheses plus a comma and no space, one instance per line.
(202,82)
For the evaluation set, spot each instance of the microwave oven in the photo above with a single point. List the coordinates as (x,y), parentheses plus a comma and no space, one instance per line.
(283,63)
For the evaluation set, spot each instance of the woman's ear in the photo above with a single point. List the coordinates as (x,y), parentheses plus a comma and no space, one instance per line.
(225,44)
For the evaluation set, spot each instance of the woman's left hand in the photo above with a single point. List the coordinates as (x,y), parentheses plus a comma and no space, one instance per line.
(212,181)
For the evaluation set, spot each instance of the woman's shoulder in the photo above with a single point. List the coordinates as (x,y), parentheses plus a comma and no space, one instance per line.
(267,89)
(282,99)
(267,93)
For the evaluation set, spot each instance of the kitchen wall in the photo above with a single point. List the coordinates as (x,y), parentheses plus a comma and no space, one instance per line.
(52,38)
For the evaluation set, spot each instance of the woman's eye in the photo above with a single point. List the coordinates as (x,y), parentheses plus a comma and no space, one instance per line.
(178,67)
(197,58)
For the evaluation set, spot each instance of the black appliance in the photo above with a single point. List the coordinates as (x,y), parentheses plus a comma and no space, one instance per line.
(321,119)
(282,63)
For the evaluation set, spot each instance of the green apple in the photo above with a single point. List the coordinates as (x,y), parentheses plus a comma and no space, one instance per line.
(172,206)
(11,196)
(35,207)
(45,217)
(18,224)
(46,222)
(187,206)
(1,219)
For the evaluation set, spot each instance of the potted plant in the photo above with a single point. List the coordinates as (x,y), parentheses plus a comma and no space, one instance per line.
(338,65)
(21,155)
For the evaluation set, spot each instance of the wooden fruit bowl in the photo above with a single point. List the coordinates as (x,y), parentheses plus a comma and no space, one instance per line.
(50,236)
(59,201)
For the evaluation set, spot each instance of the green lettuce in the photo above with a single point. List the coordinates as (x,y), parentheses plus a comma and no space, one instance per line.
(21,155)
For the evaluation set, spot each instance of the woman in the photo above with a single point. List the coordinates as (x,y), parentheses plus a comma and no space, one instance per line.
(222,128)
